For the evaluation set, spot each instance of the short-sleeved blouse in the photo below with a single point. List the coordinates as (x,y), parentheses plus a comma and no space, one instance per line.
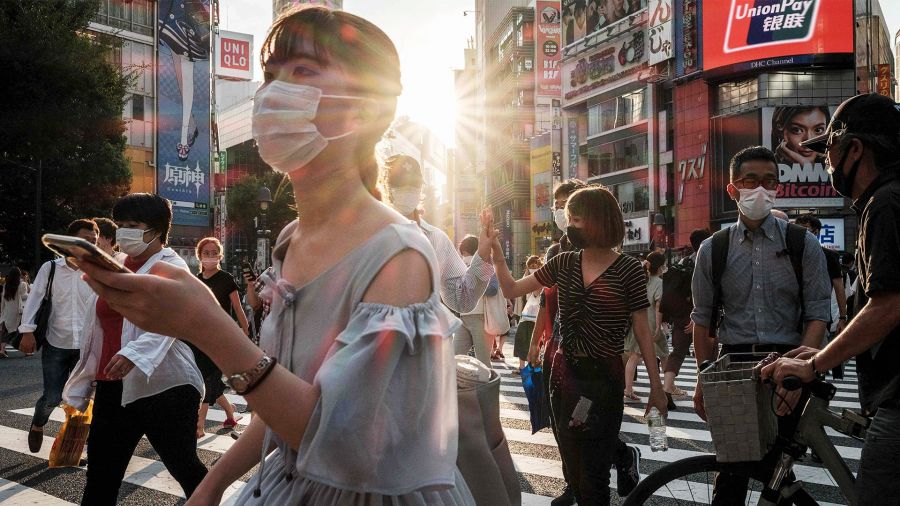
(384,430)
(595,320)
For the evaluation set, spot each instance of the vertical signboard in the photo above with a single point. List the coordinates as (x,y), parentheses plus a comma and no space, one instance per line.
(182,147)
(234,59)
(884,79)
(548,38)
(661,16)
(573,148)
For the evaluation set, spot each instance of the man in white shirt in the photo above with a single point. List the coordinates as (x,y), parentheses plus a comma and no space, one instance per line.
(60,352)
(462,284)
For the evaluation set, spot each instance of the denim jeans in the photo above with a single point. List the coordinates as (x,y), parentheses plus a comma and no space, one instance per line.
(879,470)
(57,364)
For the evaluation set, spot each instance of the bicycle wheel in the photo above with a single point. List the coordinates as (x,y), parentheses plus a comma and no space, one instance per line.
(691,481)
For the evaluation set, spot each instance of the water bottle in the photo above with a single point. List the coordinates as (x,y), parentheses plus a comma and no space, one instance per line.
(657,425)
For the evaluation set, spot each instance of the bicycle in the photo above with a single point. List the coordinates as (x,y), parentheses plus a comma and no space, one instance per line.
(770,481)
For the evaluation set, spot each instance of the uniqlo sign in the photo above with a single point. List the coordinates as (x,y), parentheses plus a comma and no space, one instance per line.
(234,56)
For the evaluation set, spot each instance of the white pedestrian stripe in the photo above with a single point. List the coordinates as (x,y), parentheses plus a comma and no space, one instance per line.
(542,469)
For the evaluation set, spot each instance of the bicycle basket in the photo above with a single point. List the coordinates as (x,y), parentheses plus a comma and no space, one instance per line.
(738,408)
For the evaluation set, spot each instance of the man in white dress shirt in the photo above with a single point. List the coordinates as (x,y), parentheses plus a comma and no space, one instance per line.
(69,294)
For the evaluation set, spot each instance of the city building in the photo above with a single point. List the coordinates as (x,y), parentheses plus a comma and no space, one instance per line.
(464,192)
(279,6)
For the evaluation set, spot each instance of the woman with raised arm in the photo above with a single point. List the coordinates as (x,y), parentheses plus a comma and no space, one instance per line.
(601,294)
(353,388)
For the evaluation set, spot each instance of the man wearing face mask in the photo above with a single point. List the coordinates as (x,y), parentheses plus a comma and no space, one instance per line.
(861,145)
(767,302)
(69,295)
(461,286)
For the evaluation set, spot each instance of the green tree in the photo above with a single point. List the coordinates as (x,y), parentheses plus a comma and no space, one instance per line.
(61,106)
(242,206)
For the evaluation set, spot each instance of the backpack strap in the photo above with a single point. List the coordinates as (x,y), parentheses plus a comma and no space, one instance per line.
(795,241)
(48,295)
(720,243)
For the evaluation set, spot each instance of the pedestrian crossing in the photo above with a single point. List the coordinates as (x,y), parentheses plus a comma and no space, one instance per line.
(534,455)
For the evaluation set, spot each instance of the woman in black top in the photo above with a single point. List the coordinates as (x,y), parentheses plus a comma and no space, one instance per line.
(601,294)
(209,252)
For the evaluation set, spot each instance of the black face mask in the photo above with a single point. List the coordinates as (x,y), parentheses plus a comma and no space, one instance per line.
(841,183)
(575,237)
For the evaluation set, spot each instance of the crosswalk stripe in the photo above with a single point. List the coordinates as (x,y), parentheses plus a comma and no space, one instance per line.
(13,493)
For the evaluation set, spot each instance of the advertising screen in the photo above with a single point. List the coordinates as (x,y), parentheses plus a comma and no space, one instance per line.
(803,181)
(182,149)
(581,18)
(766,33)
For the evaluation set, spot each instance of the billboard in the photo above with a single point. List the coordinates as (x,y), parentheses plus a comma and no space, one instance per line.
(660,33)
(606,67)
(548,49)
(182,147)
(582,18)
(234,56)
(803,181)
(766,33)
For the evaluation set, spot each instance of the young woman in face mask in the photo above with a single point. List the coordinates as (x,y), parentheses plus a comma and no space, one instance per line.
(143,383)
(356,391)
(601,294)
(209,252)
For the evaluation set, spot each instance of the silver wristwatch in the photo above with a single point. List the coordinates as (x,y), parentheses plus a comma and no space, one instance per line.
(244,382)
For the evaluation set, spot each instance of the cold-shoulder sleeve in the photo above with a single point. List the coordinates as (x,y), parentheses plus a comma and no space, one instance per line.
(386,422)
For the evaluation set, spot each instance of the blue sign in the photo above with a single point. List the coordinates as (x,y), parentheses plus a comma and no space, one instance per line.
(183,109)
(573,148)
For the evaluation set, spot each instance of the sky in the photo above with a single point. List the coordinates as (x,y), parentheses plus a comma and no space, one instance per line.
(430,36)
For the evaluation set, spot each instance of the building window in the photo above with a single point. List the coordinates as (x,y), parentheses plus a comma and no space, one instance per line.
(617,112)
(132,15)
(137,107)
(619,155)
(633,196)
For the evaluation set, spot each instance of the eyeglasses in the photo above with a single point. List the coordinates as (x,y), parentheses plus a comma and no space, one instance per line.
(751,182)
(838,129)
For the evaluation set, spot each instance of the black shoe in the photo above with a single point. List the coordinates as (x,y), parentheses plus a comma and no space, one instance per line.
(567,498)
(671,405)
(629,477)
(35,440)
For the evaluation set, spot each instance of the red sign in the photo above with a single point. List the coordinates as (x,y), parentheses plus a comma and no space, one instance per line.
(884,79)
(762,31)
(235,54)
(548,48)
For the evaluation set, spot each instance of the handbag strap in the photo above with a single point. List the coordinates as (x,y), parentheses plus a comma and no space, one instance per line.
(49,293)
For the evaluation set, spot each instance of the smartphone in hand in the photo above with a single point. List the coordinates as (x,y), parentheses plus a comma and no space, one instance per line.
(77,250)
(247,270)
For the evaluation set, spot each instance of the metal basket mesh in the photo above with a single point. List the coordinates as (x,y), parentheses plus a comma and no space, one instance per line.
(738,410)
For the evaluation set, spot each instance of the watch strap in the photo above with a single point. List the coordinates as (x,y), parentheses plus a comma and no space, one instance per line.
(253,377)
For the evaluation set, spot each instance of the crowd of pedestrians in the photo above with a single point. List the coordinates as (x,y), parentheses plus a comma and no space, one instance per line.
(353,378)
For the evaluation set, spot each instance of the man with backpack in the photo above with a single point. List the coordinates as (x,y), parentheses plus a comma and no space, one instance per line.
(760,285)
(676,306)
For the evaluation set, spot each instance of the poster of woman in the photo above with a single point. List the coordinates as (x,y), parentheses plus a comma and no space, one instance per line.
(793,125)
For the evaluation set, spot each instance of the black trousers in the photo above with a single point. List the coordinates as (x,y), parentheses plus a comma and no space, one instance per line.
(589,450)
(168,419)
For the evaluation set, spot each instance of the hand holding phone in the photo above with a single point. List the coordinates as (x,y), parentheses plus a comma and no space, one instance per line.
(78,250)
(248,272)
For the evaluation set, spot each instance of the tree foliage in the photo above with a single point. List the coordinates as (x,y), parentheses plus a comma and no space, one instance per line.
(61,106)
(242,206)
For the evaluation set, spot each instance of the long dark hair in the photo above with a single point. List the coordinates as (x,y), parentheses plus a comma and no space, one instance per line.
(13,279)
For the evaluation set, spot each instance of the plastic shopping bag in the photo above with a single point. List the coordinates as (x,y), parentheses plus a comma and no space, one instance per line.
(534,390)
(66,450)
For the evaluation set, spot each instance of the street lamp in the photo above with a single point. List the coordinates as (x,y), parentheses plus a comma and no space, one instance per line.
(263,198)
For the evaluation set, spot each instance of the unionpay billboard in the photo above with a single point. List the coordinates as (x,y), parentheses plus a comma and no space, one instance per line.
(768,33)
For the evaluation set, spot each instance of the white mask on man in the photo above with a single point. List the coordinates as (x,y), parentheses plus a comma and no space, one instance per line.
(559,216)
(131,241)
(757,203)
(405,201)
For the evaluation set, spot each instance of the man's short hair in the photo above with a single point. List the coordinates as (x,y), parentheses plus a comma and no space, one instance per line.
(107,229)
(603,222)
(698,235)
(82,224)
(469,245)
(750,154)
(568,187)
(808,219)
(147,208)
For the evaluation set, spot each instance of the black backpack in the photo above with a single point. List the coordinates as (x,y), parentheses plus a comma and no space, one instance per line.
(795,240)
(676,292)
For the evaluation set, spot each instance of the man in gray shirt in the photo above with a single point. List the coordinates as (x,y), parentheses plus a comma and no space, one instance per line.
(760,293)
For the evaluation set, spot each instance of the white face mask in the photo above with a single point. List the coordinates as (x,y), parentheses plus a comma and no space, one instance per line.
(756,203)
(283,125)
(405,201)
(131,241)
(559,216)
(210,263)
